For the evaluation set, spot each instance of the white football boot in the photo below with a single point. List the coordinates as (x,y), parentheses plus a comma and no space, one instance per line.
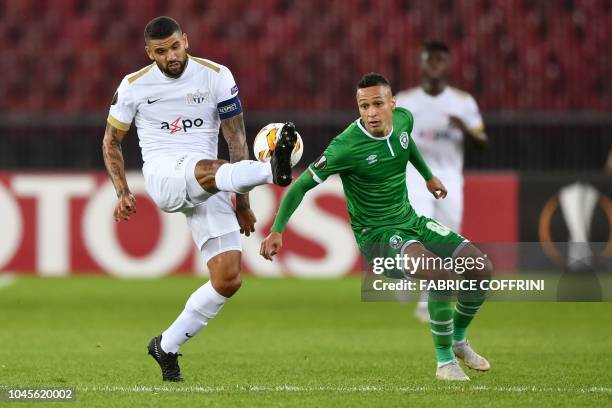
(451,371)
(464,351)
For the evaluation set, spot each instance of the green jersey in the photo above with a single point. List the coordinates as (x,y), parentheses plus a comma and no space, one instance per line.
(373,172)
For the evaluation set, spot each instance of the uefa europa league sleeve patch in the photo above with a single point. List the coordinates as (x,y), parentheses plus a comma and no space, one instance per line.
(321,163)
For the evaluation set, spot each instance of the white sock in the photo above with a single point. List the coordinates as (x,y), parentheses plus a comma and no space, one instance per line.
(424,298)
(202,305)
(242,176)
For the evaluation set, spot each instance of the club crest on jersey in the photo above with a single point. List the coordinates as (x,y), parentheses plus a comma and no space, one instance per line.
(395,242)
(371,159)
(197,97)
(404,140)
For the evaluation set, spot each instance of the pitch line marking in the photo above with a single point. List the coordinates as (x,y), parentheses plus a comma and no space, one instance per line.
(355,389)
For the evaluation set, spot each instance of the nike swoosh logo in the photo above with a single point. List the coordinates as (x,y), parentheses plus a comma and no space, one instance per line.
(187,334)
(152,101)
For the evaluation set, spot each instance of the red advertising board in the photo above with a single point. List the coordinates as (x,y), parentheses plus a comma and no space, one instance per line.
(56,224)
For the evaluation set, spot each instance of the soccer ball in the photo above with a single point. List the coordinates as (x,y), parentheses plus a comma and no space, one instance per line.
(265,142)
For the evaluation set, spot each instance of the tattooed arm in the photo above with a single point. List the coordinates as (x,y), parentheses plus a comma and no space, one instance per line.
(235,135)
(113,159)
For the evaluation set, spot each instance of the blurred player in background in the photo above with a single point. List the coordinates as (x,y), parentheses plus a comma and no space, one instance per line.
(371,156)
(178,104)
(443,118)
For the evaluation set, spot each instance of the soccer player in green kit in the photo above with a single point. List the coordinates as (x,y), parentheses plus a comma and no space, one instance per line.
(370,156)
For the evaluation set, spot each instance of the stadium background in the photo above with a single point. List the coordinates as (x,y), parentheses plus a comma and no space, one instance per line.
(541,72)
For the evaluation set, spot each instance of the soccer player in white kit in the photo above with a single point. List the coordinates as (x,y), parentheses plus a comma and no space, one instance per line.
(443,118)
(178,104)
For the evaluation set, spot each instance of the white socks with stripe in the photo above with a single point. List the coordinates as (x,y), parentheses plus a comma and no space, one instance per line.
(202,305)
(242,176)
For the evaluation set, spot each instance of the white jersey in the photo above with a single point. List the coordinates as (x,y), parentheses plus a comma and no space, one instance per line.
(176,116)
(440,143)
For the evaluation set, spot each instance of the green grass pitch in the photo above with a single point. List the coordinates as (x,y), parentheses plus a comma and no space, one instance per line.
(291,342)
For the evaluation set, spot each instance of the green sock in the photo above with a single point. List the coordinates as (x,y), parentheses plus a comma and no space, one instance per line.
(468,304)
(441,316)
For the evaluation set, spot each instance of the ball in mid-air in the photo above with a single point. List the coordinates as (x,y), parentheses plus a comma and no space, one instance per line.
(266,140)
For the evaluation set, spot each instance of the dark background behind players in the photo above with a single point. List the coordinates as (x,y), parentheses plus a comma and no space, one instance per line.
(536,68)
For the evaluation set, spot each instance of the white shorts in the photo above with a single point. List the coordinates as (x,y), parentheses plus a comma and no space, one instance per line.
(171,183)
(448,211)
(218,245)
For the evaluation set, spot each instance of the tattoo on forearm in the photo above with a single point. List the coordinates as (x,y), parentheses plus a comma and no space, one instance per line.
(235,135)
(113,159)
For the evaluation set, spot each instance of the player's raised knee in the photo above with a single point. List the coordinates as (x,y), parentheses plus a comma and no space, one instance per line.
(205,171)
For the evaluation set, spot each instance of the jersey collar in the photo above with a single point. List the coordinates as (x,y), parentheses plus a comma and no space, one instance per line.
(368,134)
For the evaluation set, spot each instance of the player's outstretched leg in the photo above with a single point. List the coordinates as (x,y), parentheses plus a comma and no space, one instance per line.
(468,304)
(241,177)
(201,307)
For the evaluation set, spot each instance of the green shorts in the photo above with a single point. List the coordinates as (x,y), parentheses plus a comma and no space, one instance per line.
(390,241)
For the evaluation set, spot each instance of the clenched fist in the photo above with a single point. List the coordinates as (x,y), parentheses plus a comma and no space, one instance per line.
(435,187)
(126,206)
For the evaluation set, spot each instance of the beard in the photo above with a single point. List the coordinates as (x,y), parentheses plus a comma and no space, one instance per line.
(174,69)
